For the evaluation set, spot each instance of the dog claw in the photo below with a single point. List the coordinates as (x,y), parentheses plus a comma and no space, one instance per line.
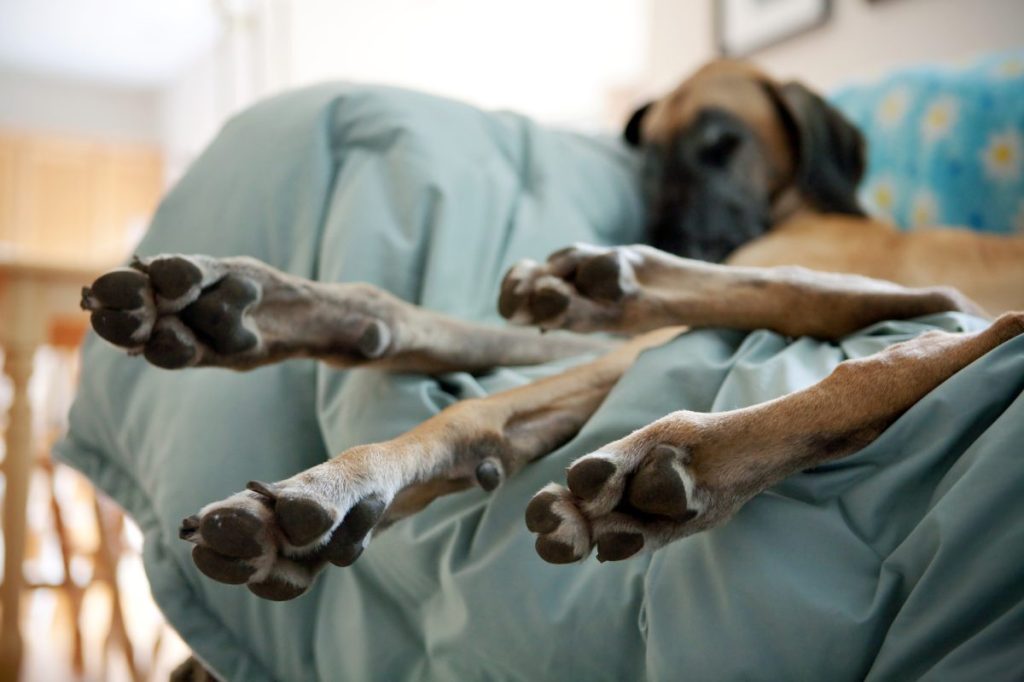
(267,490)
(188,528)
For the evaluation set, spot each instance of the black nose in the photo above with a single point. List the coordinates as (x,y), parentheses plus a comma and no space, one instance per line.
(717,144)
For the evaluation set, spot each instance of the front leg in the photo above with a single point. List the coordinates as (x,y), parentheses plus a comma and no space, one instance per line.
(636,288)
(688,472)
(200,311)
(276,537)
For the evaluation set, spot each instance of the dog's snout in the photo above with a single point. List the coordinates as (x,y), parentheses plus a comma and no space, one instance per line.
(710,142)
(716,145)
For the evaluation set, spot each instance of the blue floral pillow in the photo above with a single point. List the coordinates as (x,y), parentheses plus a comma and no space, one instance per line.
(945,146)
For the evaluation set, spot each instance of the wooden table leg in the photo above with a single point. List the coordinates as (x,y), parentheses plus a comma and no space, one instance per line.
(17,470)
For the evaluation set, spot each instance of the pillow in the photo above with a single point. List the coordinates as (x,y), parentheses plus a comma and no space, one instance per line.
(945,146)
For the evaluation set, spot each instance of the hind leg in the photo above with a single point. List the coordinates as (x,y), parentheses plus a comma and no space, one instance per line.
(688,471)
(276,537)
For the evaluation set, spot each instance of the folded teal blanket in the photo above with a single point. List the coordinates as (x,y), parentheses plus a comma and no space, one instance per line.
(900,562)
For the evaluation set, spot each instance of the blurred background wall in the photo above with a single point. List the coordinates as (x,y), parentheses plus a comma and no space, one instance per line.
(168,72)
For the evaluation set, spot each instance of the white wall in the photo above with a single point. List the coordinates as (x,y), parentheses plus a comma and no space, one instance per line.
(552,59)
(46,103)
(192,110)
(575,62)
(561,62)
(862,40)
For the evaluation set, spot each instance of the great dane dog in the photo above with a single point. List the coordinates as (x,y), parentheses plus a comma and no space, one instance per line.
(738,167)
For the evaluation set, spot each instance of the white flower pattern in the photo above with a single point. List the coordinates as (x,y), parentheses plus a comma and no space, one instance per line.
(939,118)
(881,197)
(893,107)
(1010,68)
(1001,157)
(925,209)
(946,146)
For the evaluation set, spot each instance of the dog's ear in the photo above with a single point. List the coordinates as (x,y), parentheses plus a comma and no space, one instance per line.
(632,132)
(830,151)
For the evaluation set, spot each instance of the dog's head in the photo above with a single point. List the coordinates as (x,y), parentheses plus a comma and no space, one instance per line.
(730,152)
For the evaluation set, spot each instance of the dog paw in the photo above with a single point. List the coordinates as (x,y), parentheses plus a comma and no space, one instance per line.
(185,311)
(636,494)
(174,309)
(276,537)
(580,288)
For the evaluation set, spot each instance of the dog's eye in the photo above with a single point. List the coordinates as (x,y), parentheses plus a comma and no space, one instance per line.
(716,145)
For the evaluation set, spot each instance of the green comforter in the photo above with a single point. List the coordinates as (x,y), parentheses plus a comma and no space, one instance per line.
(902,561)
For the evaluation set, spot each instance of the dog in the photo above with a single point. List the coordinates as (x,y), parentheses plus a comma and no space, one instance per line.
(743,169)
(768,158)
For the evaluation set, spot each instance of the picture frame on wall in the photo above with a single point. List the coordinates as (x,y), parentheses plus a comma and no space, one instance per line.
(743,27)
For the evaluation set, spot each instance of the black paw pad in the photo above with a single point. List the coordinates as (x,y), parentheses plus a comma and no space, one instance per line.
(120,289)
(221,568)
(216,317)
(618,546)
(657,487)
(174,277)
(587,477)
(346,544)
(540,513)
(302,520)
(554,551)
(116,326)
(548,303)
(168,350)
(374,340)
(276,589)
(599,277)
(489,474)
(232,532)
(342,553)
(509,301)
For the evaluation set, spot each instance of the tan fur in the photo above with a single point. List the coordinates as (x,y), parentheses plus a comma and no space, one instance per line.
(987,268)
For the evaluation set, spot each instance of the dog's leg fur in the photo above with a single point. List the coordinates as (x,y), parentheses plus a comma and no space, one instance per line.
(188,311)
(636,288)
(689,471)
(276,537)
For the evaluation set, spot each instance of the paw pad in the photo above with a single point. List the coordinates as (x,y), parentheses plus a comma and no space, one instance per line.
(587,477)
